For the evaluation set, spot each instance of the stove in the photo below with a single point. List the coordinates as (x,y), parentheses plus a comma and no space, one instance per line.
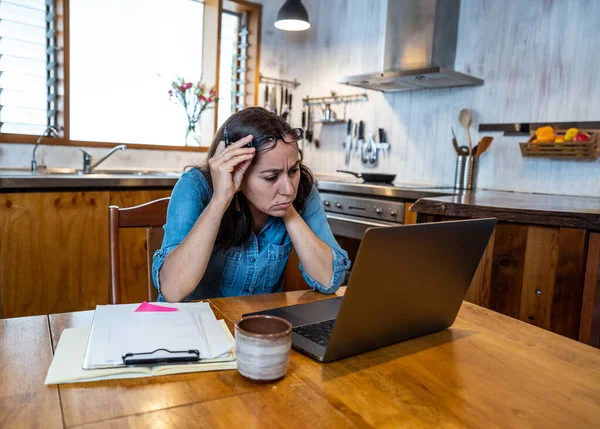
(352,205)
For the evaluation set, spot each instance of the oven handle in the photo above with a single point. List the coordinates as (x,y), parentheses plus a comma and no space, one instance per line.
(359,221)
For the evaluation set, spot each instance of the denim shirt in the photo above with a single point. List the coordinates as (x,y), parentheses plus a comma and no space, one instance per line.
(254,267)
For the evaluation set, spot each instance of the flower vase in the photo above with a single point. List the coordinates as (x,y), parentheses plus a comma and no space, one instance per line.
(192,134)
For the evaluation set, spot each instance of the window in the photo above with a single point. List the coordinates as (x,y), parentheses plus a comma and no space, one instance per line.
(100,70)
(121,73)
(229,64)
(27,69)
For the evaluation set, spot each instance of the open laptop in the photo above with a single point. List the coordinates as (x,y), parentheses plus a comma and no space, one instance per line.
(407,281)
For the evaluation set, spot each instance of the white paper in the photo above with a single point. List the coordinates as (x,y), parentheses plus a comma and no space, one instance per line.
(118,329)
(66,366)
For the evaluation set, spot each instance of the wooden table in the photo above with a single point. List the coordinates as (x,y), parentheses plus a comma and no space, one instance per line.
(488,370)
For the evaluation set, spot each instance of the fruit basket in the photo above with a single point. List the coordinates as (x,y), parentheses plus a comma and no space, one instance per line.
(563,150)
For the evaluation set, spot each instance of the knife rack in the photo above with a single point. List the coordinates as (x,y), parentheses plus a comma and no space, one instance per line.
(279,82)
(335,99)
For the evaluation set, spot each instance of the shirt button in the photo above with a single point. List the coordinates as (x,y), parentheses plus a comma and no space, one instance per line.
(253,259)
(262,234)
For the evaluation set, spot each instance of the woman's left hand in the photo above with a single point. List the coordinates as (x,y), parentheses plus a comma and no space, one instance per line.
(290,214)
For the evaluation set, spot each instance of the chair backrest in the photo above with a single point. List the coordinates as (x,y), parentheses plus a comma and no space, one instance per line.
(152,216)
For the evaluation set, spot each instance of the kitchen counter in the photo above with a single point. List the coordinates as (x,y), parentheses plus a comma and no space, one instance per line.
(14,180)
(552,210)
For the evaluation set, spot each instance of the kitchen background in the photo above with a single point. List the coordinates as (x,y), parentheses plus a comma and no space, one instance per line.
(539,60)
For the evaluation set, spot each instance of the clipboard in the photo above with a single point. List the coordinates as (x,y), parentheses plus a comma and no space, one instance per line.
(121,337)
(156,357)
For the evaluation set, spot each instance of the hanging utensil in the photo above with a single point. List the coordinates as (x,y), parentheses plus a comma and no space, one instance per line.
(267,106)
(372,149)
(274,99)
(348,141)
(465,120)
(364,145)
(355,145)
(309,135)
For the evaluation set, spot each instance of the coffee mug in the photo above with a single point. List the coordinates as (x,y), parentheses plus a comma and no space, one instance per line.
(263,346)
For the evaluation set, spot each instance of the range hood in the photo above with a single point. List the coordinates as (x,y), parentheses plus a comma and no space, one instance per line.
(419,48)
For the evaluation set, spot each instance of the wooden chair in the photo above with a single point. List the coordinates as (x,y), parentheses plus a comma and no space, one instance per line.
(152,216)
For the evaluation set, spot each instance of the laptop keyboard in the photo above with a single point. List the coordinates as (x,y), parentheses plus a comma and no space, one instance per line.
(317,332)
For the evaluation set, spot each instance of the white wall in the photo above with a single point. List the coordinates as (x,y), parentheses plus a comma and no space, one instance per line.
(540,61)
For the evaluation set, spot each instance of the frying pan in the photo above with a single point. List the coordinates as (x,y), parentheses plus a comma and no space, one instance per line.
(371,177)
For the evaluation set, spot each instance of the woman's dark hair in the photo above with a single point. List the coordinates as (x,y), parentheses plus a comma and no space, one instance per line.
(237,223)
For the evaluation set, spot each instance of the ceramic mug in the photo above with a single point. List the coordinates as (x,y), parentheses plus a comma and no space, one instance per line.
(263,346)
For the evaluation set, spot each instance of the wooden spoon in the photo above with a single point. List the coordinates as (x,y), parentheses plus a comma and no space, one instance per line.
(483,145)
(465,120)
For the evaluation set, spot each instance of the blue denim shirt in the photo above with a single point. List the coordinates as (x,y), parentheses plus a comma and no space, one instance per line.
(254,267)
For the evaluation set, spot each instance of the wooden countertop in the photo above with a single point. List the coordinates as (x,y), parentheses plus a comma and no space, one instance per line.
(487,370)
(554,210)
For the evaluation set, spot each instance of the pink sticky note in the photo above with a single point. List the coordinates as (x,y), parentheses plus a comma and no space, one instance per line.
(145,306)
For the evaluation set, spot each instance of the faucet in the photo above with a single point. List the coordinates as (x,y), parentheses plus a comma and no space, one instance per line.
(50,131)
(87,158)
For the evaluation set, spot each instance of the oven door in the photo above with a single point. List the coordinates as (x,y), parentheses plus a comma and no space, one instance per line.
(352,226)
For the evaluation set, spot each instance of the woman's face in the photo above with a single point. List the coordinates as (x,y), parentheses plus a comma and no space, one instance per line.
(271,182)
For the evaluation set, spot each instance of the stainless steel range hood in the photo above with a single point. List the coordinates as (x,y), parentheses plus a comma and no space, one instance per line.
(419,48)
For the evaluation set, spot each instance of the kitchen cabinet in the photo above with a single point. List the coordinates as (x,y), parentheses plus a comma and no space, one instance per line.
(534,274)
(54,251)
(541,264)
(589,327)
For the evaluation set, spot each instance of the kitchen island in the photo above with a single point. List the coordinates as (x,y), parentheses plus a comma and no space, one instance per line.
(542,264)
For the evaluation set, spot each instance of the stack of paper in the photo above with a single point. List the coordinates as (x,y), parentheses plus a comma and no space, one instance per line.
(134,328)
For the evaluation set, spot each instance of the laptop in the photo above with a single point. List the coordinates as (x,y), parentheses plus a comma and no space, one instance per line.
(407,281)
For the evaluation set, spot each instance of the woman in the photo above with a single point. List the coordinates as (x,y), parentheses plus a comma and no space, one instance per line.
(231,225)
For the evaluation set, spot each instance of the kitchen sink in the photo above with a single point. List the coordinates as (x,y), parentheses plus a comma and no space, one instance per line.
(59,171)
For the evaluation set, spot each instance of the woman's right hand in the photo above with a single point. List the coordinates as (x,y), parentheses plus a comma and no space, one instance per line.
(227,168)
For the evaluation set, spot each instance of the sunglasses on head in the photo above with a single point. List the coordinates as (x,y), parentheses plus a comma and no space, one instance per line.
(269,141)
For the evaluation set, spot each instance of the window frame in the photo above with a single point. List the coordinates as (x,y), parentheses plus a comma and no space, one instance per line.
(215,8)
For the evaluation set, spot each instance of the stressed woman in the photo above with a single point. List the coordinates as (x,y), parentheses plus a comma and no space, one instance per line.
(231,225)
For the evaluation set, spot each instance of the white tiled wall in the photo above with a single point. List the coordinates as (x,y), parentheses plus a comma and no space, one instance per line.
(539,62)
(537,66)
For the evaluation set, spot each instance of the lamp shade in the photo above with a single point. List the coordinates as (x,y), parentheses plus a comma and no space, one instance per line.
(292,16)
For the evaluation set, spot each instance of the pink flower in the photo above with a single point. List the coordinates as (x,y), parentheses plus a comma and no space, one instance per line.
(188,85)
(182,88)
(212,91)
(202,97)
(209,100)
(170,92)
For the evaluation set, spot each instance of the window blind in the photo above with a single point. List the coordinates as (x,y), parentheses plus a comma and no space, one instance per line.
(27,66)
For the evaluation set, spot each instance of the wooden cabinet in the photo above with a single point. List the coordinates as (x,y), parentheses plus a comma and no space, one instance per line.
(54,251)
(535,274)
(589,327)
